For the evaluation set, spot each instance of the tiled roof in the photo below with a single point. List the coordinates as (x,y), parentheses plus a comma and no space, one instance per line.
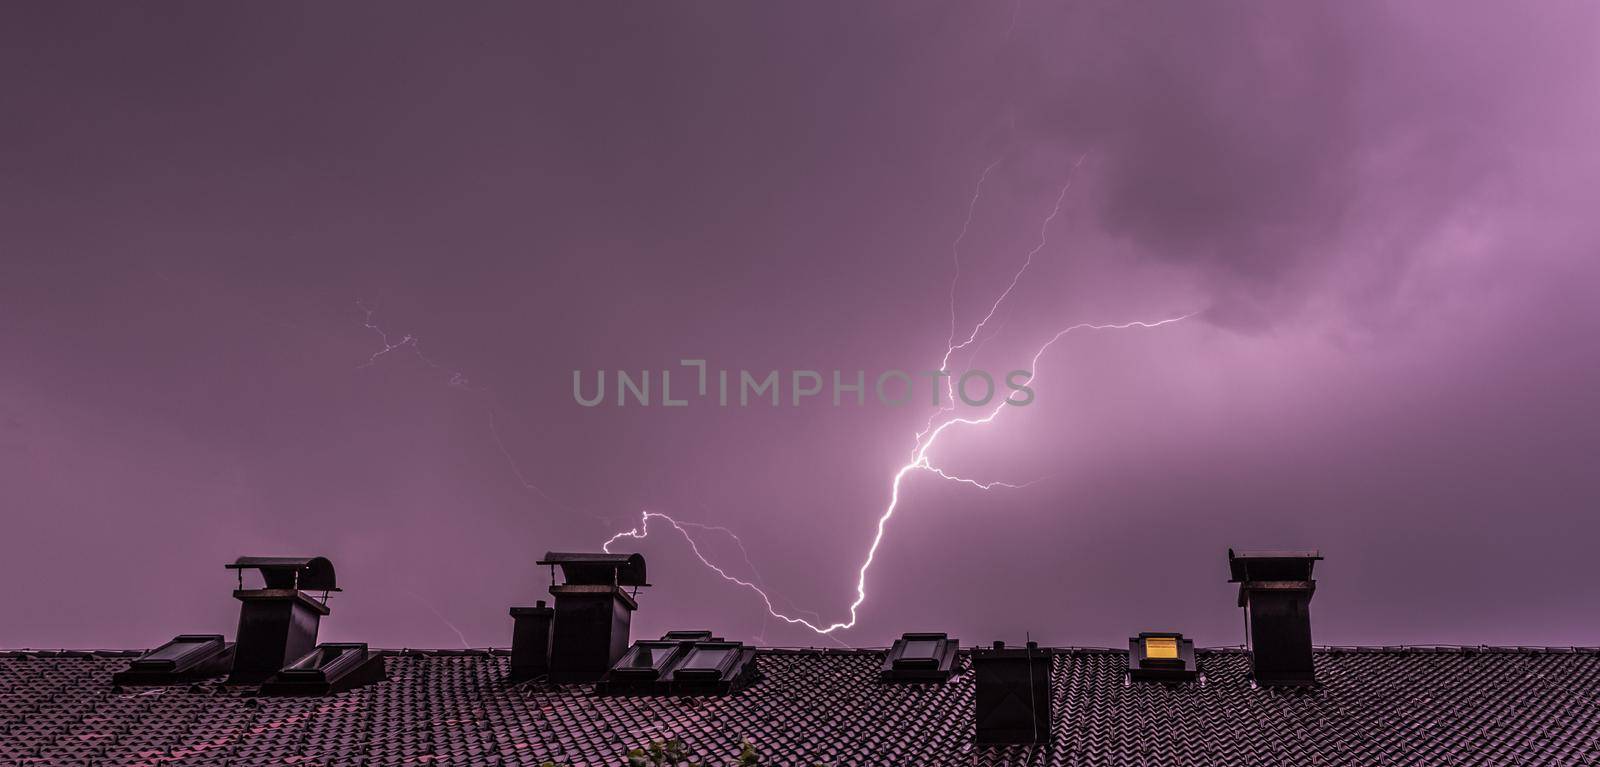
(1373,706)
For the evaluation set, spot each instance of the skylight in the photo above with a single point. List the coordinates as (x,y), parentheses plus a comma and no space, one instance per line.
(681,663)
(1161,647)
(330,667)
(647,659)
(1161,656)
(919,658)
(186,657)
(327,661)
(714,668)
(180,652)
(706,658)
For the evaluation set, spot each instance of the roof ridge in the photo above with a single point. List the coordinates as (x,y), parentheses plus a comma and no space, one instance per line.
(1062,649)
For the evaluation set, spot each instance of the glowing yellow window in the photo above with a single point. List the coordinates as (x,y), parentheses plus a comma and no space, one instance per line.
(1161,647)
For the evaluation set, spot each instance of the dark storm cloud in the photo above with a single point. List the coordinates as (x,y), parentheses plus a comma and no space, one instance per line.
(1252,140)
(193,198)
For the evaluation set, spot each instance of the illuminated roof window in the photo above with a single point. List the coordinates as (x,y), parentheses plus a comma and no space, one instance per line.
(1161,648)
(919,658)
(1161,656)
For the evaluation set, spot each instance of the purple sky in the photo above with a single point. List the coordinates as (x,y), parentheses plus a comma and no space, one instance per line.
(1382,213)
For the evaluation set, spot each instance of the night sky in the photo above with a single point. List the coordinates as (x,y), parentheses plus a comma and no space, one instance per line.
(1379,219)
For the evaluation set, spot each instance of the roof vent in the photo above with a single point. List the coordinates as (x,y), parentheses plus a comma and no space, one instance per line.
(919,658)
(1161,656)
(1013,696)
(329,668)
(188,657)
(278,622)
(592,612)
(681,663)
(1275,589)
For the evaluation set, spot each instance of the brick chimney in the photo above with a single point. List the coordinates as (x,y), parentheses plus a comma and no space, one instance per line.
(530,641)
(1013,695)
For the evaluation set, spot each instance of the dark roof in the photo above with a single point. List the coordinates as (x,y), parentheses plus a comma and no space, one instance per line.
(1374,706)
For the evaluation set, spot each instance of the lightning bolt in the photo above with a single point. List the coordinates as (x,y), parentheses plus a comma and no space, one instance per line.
(930,434)
(643,531)
(955,245)
(406,341)
(446,621)
(975,483)
(951,347)
(920,462)
(924,440)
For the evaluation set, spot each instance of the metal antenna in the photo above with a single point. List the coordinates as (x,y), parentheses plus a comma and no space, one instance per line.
(1246,613)
(1033,699)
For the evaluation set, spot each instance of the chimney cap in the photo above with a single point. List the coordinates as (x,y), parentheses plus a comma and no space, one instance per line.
(598,569)
(1272,565)
(303,573)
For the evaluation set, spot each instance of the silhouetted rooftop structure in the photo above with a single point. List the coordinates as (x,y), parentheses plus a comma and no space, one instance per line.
(576,690)
(1373,706)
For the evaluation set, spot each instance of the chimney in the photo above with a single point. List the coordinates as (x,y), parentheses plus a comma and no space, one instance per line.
(530,641)
(1275,589)
(592,612)
(278,622)
(1013,695)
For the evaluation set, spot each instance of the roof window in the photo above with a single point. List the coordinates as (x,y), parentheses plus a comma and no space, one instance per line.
(919,658)
(1161,656)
